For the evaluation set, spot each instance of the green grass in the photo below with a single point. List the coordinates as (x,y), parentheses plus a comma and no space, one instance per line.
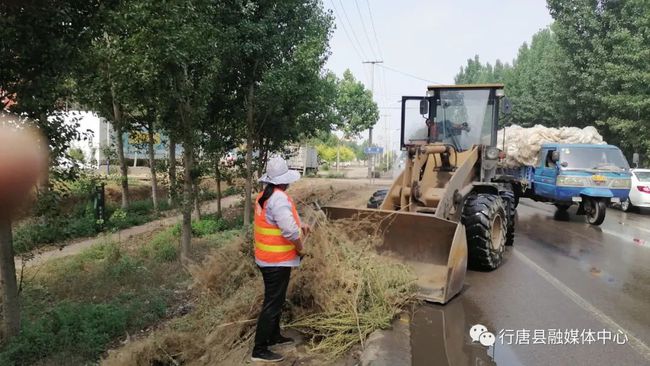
(73,308)
(231,191)
(209,224)
(335,175)
(163,247)
(74,328)
(81,223)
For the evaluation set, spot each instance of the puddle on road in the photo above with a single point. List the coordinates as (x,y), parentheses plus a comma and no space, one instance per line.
(440,337)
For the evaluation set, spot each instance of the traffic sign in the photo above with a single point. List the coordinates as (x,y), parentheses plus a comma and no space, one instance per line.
(374,150)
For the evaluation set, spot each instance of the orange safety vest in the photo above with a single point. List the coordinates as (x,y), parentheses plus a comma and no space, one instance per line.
(270,245)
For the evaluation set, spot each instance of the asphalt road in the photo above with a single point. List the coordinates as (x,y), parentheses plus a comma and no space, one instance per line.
(562,275)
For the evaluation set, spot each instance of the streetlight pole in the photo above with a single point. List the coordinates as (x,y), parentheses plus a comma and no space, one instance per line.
(371,159)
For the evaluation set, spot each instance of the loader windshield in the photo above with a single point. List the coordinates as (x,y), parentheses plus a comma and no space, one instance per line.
(464,118)
(461,116)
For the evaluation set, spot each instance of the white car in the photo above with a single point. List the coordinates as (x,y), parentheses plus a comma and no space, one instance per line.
(639,190)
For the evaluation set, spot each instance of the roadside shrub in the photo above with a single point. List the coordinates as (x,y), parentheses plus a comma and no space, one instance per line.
(81,225)
(218,240)
(335,175)
(207,195)
(125,265)
(207,226)
(81,330)
(163,246)
(53,230)
(83,186)
(231,191)
(118,219)
(143,207)
(102,250)
(235,223)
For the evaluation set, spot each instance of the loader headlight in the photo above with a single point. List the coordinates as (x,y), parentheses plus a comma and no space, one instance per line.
(492,153)
(567,180)
(621,183)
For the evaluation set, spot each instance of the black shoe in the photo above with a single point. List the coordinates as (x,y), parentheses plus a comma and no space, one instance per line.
(281,340)
(265,355)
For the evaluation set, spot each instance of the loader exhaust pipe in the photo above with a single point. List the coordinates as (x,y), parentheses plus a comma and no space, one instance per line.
(436,249)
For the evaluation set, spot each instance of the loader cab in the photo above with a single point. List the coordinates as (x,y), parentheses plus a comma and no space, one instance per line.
(457,115)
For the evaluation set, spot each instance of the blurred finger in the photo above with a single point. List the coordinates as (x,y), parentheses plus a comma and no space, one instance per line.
(23,160)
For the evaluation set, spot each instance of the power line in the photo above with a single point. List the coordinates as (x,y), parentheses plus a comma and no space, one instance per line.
(354,47)
(407,74)
(365,31)
(384,85)
(352,29)
(372,23)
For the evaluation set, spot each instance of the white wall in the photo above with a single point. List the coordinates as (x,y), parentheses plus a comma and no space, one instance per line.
(101,135)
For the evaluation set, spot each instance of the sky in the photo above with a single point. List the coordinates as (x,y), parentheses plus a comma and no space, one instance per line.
(426,39)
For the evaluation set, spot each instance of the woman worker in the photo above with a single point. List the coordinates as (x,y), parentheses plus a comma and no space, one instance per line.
(277,248)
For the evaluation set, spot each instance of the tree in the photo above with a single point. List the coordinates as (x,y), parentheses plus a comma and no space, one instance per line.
(41,46)
(356,109)
(607,44)
(221,131)
(22,160)
(588,68)
(534,84)
(175,45)
(102,84)
(268,40)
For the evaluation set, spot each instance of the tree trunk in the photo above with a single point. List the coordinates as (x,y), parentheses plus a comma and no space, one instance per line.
(44,184)
(197,200)
(188,162)
(338,156)
(8,285)
(217,177)
(263,154)
(119,130)
(152,167)
(172,172)
(248,187)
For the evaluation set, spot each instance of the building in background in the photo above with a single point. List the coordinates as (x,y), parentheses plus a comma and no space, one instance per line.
(97,141)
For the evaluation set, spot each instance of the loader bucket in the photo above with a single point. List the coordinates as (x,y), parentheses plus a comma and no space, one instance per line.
(436,249)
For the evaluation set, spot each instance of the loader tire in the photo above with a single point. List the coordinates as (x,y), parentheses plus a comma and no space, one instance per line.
(484,217)
(509,199)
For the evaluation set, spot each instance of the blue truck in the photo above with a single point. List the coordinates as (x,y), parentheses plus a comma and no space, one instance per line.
(588,175)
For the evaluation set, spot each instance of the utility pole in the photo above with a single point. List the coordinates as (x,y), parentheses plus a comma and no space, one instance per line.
(371,157)
(386,140)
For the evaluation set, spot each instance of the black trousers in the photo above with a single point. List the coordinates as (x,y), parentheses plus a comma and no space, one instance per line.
(276,281)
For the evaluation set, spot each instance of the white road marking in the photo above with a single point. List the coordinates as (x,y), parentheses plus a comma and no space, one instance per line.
(633,341)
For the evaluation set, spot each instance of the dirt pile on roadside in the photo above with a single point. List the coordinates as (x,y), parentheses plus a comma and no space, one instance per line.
(341,293)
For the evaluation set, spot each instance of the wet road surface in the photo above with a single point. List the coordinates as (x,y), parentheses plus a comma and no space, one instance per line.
(562,274)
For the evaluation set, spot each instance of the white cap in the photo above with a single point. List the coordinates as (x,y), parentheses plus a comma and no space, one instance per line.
(277,172)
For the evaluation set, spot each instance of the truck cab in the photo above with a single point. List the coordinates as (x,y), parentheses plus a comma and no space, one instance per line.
(590,175)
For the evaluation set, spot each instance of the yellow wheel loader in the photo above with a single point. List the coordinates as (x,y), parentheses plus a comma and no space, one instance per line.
(448,209)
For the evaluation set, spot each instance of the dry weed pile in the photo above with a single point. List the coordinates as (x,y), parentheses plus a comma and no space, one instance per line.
(340,294)
(229,294)
(343,290)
